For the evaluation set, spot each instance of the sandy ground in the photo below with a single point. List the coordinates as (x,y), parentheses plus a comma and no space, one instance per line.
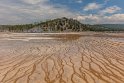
(62,58)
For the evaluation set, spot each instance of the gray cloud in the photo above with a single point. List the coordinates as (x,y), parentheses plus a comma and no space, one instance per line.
(110,10)
(79,1)
(33,1)
(92,6)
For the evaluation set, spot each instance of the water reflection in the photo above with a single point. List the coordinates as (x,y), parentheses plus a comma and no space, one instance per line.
(66,37)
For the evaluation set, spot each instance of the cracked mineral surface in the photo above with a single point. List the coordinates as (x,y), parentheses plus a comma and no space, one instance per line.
(86,57)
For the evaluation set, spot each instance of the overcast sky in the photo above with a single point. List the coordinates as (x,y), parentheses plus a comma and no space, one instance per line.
(86,11)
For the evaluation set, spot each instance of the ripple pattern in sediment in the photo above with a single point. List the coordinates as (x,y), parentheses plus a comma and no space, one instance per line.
(85,60)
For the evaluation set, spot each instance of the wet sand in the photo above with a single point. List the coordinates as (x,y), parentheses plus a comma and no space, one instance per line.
(86,57)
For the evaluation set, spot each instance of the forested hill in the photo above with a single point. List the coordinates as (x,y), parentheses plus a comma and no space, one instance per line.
(60,25)
(56,25)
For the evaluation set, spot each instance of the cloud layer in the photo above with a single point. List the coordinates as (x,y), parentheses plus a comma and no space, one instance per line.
(28,11)
(31,10)
(101,19)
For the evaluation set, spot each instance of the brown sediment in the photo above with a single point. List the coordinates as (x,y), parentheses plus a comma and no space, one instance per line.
(81,58)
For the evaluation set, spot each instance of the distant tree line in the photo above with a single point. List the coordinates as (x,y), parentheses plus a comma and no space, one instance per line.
(107,27)
(16,28)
